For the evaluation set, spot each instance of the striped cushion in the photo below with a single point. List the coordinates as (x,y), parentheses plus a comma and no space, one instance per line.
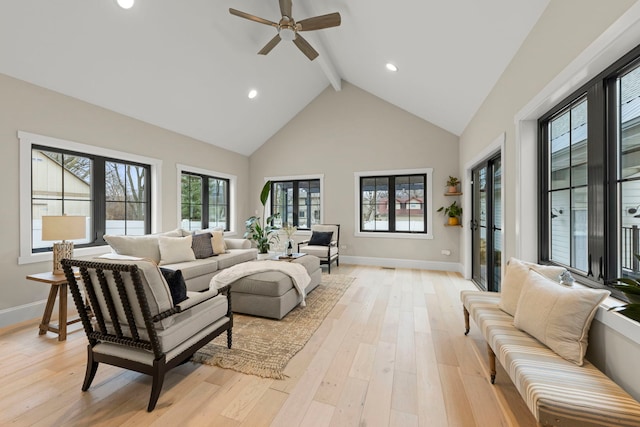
(553,388)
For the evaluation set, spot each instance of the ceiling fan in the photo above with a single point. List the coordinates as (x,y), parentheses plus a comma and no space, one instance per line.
(288,28)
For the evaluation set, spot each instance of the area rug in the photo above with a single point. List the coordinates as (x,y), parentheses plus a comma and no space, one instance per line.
(263,347)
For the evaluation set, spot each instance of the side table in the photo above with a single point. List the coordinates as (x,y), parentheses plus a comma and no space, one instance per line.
(58,284)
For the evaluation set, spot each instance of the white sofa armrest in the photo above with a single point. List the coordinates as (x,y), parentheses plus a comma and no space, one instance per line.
(237,243)
(195,298)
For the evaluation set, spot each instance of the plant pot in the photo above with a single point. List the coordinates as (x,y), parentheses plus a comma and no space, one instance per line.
(453,220)
(453,189)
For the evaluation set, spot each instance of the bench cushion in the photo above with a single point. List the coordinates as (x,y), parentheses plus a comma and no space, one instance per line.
(552,387)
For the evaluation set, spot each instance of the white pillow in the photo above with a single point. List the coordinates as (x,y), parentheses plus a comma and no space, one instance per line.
(557,316)
(217,242)
(175,249)
(514,278)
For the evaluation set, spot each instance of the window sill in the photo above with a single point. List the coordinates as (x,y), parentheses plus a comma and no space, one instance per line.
(395,235)
(48,256)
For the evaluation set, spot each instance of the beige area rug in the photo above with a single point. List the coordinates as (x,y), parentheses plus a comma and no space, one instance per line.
(263,347)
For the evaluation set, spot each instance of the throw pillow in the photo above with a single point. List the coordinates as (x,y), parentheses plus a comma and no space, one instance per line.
(145,246)
(557,316)
(176,283)
(201,245)
(217,242)
(515,277)
(175,249)
(321,238)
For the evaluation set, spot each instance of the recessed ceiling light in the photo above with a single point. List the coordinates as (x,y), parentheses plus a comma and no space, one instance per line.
(125,4)
(252,93)
(391,67)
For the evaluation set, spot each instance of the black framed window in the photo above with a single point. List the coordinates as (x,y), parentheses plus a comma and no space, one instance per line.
(589,210)
(393,203)
(204,201)
(297,201)
(113,194)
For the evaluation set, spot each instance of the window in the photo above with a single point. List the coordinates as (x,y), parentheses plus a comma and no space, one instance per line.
(111,189)
(590,177)
(298,201)
(394,202)
(204,201)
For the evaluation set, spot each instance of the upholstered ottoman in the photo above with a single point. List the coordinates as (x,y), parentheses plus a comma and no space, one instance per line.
(272,293)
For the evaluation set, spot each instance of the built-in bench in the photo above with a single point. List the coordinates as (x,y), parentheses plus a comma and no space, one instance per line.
(558,392)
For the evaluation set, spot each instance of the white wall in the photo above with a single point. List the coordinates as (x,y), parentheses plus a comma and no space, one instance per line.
(340,133)
(564,32)
(25,107)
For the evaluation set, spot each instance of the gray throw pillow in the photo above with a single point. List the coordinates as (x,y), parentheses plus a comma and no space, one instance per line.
(201,245)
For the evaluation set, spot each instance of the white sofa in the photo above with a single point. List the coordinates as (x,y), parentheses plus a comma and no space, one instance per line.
(197,273)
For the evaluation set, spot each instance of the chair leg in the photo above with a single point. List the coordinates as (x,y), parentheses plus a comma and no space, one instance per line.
(92,368)
(229,338)
(159,369)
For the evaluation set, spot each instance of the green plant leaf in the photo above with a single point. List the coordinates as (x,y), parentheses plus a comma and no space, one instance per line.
(632,311)
(264,194)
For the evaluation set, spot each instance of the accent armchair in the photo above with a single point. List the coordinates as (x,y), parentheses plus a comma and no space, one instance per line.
(324,243)
(131,321)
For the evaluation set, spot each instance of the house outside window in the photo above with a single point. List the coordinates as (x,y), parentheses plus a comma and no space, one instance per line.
(112,194)
(297,201)
(589,212)
(395,202)
(204,201)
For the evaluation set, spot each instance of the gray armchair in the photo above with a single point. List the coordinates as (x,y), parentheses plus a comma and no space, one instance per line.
(131,321)
(324,243)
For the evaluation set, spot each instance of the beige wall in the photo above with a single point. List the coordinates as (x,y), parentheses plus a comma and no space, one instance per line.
(564,31)
(340,133)
(25,107)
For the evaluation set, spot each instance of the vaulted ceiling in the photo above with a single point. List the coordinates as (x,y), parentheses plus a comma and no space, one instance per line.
(188,65)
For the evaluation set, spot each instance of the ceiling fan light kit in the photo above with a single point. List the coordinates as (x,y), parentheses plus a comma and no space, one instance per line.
(125,4)
(289,29)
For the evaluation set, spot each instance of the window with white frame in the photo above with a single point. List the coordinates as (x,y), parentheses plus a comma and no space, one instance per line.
(111,189)
(395,202)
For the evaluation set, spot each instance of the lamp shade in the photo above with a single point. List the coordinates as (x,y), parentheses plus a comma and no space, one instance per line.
(64,227)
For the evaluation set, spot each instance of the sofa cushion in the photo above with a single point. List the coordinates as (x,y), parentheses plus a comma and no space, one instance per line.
(195,268)
(558,316)
(175,249)
(176,284)
(515,277)
(139,246)
(201,245)
(236,256)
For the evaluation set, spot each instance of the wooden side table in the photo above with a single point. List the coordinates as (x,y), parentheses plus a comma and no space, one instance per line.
(58,284)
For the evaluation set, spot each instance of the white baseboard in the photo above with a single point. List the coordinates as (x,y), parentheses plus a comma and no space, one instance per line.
(403,263)
(21,313)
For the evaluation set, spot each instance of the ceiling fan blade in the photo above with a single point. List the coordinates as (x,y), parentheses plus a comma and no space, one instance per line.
(285,8)
(272,43)
(252,17)
(305,47)
(319,22)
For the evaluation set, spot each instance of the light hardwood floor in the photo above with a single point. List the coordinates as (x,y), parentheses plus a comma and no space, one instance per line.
(391,353)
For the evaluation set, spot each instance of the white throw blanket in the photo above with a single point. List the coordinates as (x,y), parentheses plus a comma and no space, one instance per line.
(297,272)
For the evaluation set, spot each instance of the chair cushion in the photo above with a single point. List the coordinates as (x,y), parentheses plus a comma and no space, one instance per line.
(176,283)
(558,316)
(201,245)
(320,251)
(321,238)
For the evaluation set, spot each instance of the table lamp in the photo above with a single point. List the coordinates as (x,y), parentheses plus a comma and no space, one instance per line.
(64,227)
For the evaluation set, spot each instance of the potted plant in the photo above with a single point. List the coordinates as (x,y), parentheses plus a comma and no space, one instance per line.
(631,289)
(452,183)
(453,211)
(262,233)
